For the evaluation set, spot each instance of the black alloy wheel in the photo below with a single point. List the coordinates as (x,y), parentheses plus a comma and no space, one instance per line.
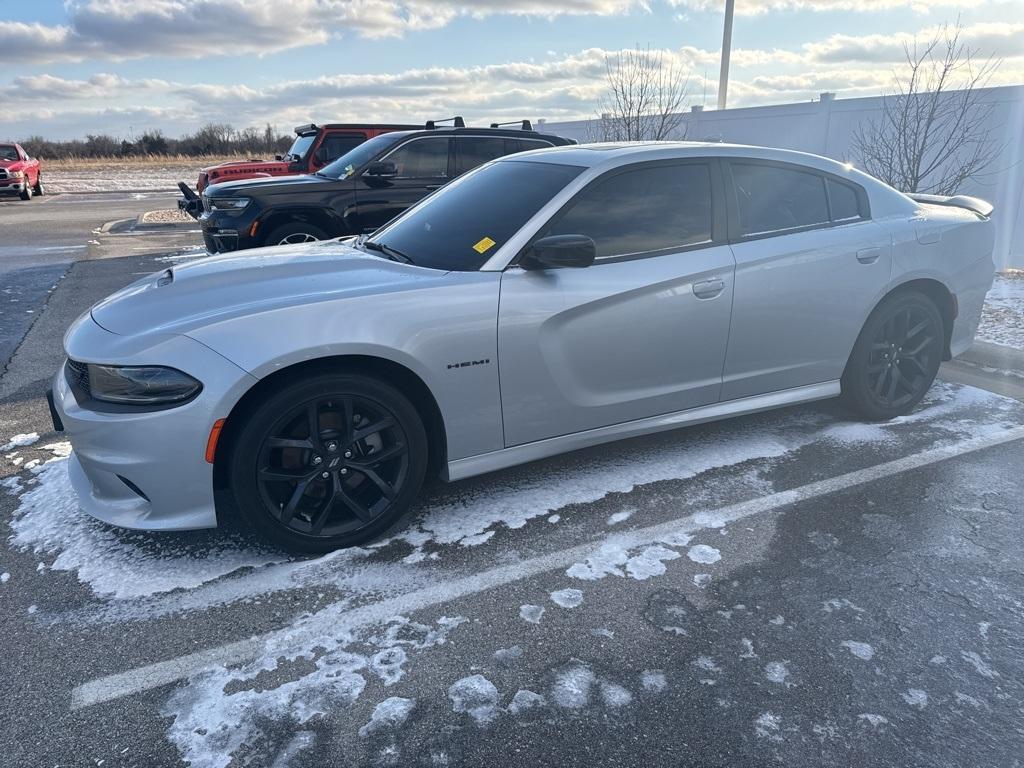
(329,466)
(896,357)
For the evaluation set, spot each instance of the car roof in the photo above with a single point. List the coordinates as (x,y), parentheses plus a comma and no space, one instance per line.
(469,130)
(612,154)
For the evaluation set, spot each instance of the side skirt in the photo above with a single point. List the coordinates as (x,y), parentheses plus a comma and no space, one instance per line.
(470,466)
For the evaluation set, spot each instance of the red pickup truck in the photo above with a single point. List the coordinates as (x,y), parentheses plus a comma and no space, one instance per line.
(314,147)
(19,172)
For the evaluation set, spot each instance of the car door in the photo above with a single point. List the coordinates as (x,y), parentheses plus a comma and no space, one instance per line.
(421,166)
(471,151)
(810,264)
(643,330)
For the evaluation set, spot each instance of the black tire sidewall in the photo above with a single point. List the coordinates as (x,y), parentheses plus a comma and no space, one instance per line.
(276,236)
(244,452)
(855,391)
(26,192)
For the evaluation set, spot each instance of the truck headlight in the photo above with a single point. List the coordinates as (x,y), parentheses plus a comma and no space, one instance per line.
(17,174)
(140,385)
(228,203)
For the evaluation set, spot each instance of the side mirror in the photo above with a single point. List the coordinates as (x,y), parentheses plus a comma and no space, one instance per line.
(381,169)
(555,251)
(279,158)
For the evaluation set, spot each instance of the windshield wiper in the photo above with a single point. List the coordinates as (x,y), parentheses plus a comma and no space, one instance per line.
(392,253)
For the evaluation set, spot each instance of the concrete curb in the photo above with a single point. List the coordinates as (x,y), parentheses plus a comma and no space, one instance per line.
(994,356)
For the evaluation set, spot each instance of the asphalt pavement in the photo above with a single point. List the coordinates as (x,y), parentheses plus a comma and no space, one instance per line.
(792,588)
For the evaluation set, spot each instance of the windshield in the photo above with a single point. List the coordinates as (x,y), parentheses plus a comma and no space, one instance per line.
(462,226)
(354,159)
(301,145)
(8,152)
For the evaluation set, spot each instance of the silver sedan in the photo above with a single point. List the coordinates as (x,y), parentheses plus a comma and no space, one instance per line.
(545,302)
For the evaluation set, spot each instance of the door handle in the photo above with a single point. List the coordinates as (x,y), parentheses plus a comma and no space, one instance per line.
(868,255)
(708,289)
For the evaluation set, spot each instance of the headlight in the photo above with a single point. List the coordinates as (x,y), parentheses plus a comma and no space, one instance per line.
(228,203)
(17,174)
(140,385)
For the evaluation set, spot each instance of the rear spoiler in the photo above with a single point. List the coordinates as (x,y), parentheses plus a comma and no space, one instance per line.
(973,204)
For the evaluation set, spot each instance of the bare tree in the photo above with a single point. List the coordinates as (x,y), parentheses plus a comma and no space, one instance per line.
(936,131)
(645,99)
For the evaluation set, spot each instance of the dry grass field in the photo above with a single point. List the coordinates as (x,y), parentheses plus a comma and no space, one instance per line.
(139,174)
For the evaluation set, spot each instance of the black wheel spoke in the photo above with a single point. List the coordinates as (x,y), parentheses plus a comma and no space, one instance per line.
(917,329)
(919,348)
(373,459)
(917,364)
(372,429)
(313,421)
(319,519)
(386,488)
(353,505)
(281,474)
(288,511)
(894,380)
(288,442)
(880,382)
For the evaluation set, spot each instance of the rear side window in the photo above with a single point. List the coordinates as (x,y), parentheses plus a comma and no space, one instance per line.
(337,144)
(771,198)
(472,151)
(652,208)
(845,203)
(421,159)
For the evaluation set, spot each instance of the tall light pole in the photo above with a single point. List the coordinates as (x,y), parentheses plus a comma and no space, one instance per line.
(723,76)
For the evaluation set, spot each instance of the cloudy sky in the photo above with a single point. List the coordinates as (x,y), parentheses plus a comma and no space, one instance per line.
(73,67)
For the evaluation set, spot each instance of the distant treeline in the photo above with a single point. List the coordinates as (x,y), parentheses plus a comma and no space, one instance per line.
(211,139)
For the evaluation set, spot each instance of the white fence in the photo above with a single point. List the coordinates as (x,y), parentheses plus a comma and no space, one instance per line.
(826,127)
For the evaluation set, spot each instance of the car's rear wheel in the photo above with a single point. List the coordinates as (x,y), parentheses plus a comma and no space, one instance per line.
(328,462)
(297,232)
(26,190)
(896,357)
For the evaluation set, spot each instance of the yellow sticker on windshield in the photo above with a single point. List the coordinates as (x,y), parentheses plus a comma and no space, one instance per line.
(484,245)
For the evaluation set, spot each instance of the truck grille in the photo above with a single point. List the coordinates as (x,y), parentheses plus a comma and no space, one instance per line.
(78,375)
(3,173)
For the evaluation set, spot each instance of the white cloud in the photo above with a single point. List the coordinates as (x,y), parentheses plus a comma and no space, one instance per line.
(126,29)
(757,7)
(989,39)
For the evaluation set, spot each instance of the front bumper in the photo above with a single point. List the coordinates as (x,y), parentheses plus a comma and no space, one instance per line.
(145,469)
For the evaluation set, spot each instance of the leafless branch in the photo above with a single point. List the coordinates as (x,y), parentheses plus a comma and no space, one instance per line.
(646,97)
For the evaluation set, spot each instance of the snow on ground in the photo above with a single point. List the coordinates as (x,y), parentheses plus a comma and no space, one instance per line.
(861,650)
(19,441)
(1002,321)
(120,178)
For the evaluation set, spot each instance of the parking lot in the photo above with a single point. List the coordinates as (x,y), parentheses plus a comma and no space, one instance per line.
(793,588)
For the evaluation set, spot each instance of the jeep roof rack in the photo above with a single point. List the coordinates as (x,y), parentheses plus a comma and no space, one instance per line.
(526,125)
(457,122)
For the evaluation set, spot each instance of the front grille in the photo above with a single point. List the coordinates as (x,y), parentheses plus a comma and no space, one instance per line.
(206,204)
(78,376)
(3,173)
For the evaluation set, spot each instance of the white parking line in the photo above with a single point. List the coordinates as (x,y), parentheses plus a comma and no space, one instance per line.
(162,673)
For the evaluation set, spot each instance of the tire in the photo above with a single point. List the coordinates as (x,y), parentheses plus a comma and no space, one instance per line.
(39,185)
(26,192)
(296,232)
(276,469)
(895,358)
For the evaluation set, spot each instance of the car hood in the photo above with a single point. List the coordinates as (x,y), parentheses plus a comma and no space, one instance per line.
(16,165)
(268,186)
(183,298)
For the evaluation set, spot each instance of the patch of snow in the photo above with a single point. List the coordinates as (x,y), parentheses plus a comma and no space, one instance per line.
(653,680)
(4,577)
(531,613)
(979,664)
(525,700)
(571,689)
(915,697)
(937,659)
(777,621)
(612,560)
(873,719)
(614,695)
(602,632)
(1002,319)
(554,519)
(476,696)
(707,663)
(508,656)
(19,441)
(748,649)
(620,517)
(33,608)
(390,713)
(701,579)
(839,604)
(860,650)
(387,663)
(567,598)
(776,672)
(677,539)
(702,553)
(766,726)
(650,562)
(963,697)
(983,628)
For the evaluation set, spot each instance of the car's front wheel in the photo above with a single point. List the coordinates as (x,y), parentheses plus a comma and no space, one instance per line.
(327,462)
(896,357)
(26,190)
(39,185)
(297,232)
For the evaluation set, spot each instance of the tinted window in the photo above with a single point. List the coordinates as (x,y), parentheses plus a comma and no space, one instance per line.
(421,159)
(647,209)
(843,197)
(337,145)
(771,198)
(477,150)
(354,159)
(301,145)
(462,225)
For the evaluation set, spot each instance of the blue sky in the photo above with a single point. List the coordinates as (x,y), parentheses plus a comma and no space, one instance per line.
(124,66)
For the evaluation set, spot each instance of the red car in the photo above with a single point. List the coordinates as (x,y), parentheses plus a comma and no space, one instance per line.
(19,172)
(314,147)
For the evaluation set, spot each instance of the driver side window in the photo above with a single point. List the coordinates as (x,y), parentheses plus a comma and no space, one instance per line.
(421,159)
